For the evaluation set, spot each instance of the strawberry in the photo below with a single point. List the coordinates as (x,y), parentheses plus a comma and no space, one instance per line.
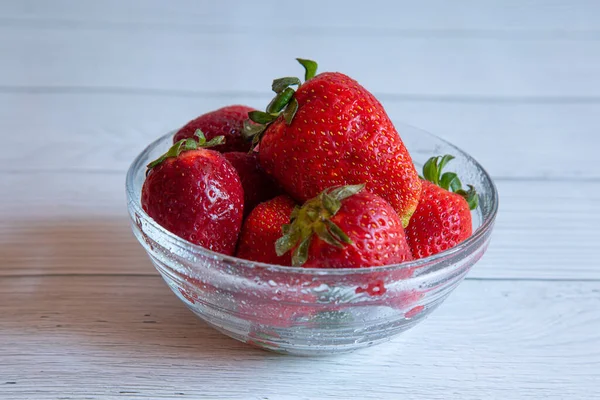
(400,300)
(333,132)
(283,312)
(227,122)
(258,186)
(280,315)
(196,194)
(261,230)
(443,217)
(194,288)
(344,227)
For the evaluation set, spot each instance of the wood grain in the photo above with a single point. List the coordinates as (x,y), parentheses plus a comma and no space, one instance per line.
(105,131)
(470,16)
(85,85)
(128,336)
(77,223)
(177,61)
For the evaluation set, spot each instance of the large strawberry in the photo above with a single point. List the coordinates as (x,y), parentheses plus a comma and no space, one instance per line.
(196,194)
(332,131)
(443,217)
(227,122)
(345,227)
(258,186)
(261,230)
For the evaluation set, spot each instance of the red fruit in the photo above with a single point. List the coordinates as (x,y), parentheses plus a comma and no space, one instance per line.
(277,314)
(258,186)
(443,218)
(345,227)
(227,122)
(196,194)
(261,230)
(373,288)
(280,301)
(191,290)
(279,307)
(334,132)
(413,312)
(400,300)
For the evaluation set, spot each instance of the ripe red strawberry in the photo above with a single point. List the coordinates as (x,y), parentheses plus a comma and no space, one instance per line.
(261,230)
(227,122)
(258,186)
(345,227)
(270,313)
(443,217)
(279,305)
(196,194)
(400,300)
(333,132)
(194,289)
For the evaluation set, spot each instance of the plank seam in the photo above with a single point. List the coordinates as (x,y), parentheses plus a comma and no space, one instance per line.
(147,275)
(384,97)
(312,30)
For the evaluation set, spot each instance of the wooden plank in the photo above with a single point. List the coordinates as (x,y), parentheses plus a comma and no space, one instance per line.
(77,223)
(100,337)
(210,62)
(403,15)
(104,132)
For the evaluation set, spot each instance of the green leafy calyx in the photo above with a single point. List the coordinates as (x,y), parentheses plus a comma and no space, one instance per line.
(470,195)
(310,68)
(314,218)
(284,103)
(432,171)
(187,144)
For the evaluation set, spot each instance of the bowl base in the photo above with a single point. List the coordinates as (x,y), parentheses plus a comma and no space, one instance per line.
(273,345)
(304,341)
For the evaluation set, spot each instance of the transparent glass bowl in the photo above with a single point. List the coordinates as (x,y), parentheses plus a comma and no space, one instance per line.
(314,311)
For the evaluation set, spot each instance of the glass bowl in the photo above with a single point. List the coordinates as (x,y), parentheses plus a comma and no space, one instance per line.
(314,311)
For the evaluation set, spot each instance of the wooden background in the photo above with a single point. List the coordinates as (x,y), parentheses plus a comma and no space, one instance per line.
(85,85)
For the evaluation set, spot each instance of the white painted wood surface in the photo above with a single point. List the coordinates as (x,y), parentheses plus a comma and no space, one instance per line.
(85,85)
(66,337)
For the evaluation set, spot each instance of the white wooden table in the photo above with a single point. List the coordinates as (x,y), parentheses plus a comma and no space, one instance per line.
(85,85)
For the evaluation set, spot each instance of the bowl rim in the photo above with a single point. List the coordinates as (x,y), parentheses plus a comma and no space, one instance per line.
(467,247)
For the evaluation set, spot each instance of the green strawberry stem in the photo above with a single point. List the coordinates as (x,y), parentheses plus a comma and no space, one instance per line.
(185,145)
(284,103)
(470,196)
(314,217)
(432,172)
(310,68)
(280,101)
(279,85)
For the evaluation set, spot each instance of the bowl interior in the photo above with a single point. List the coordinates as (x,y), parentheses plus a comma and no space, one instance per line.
(421,145)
